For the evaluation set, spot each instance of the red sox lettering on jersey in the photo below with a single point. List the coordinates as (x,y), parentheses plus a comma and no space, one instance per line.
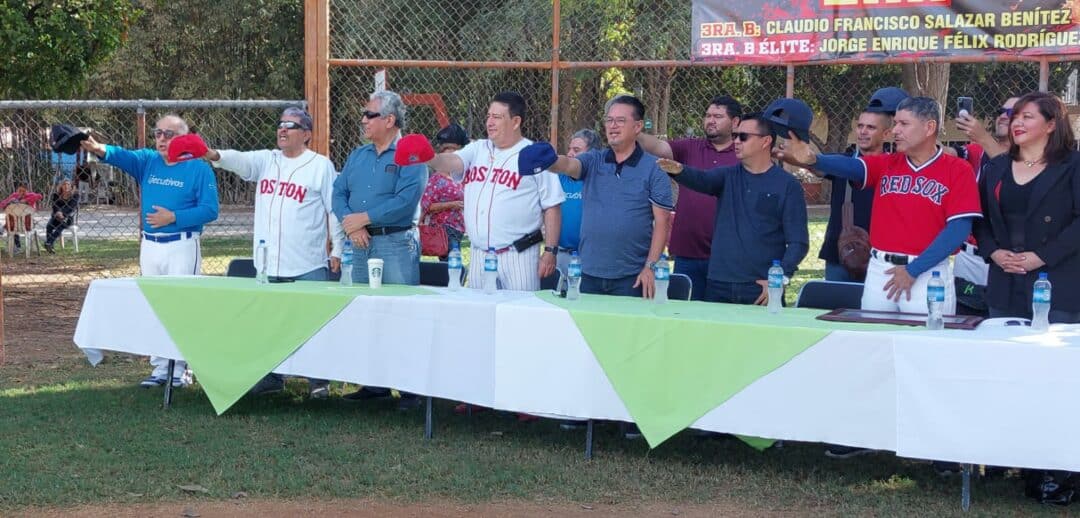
(912,204)
(283,188)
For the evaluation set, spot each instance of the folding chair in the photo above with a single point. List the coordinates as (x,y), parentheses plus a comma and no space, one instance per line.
(679,286)
(830,295)
(241,267)
(20,220)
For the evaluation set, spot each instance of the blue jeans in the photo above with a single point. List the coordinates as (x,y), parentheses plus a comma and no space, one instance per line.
(836,272)
(732,292)
(623,286)
(400,253)
(697,270)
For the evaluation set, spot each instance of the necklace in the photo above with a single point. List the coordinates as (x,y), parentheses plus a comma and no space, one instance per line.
(1031,163)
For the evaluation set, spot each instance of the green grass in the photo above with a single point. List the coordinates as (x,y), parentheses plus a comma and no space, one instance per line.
(74,434)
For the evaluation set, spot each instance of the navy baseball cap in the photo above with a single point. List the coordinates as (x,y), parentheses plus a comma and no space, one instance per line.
(885,100)
(452,134)
(790,114)
(535,158)
(65,139)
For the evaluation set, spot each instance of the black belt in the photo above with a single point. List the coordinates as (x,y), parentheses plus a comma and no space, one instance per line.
(896,259)
(382,231)
(167,238)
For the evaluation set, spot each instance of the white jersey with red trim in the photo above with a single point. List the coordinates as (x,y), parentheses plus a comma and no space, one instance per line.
(502,206)
(912,204)
(292,206)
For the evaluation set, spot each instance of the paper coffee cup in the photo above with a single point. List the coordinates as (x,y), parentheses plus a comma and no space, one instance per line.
(374,271)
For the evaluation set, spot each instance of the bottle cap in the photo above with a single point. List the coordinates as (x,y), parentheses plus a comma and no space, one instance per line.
(1042,275)
(936,273)
(776,262)
(573,254)
(491,249)
(262,241)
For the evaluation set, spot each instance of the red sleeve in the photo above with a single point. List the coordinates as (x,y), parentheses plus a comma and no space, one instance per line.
(33,197)
(876,165)
(975,154)
(429,194)
(962,200)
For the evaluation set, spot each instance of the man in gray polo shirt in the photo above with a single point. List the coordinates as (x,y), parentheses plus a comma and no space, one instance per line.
(626,203)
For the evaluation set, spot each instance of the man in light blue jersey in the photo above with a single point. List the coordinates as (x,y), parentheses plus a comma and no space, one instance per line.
(177,200)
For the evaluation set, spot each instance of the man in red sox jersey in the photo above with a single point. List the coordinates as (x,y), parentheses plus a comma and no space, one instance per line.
(293,212)
(924,203)
(501,206)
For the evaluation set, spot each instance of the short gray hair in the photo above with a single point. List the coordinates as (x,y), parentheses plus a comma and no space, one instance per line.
(300,113)
(180,122)
(390,103)
(924,108)
(590,137)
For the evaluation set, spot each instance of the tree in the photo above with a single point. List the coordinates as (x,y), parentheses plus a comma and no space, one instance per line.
(51,47)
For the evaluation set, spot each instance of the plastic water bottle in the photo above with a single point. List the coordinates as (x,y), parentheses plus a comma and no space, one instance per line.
(776,287)
(491,271)
(935,302)
(1040,304)
(662,276)
(262,275)
(346,263)
(573,277)
(453,268)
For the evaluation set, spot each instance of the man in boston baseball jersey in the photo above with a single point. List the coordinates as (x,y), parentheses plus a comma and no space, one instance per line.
(924,203)
(760,216)
(503,209)
(626,203)
(695,213)
(292,210)
(377,201)
(178,198)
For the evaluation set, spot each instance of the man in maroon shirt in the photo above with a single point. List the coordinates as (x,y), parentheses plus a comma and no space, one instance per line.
(692,230)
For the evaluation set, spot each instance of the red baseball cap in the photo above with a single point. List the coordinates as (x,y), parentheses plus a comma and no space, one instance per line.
(413,149)
(187,147)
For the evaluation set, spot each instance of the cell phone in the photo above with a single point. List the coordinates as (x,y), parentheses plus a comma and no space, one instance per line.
(965,104)
(528,240)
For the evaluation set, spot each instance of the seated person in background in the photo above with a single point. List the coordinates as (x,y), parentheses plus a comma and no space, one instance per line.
(22,194)
(64,205)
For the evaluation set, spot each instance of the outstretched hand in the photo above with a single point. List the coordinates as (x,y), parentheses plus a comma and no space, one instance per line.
(669,166)
(795,152)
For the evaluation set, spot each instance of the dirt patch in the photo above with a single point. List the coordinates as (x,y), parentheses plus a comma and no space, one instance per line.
(39,323)
(369,508)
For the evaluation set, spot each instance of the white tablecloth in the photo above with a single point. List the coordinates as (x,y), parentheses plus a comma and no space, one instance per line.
(999,396)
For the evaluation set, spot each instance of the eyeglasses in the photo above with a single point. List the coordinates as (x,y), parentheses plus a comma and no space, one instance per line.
(743,137)
(291,125)
(1008,112)
(371,115)
(168,134)
(616,121)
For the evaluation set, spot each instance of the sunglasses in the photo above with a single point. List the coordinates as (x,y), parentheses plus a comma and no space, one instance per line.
(743,137)
(371,115)
(1008,112)
(291,125)
(158,133)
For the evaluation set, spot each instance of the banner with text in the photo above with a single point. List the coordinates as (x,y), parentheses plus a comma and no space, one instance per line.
(763,31)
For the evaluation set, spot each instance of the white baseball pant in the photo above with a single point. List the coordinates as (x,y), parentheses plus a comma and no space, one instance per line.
(517,270)
(182,257)
(876,298)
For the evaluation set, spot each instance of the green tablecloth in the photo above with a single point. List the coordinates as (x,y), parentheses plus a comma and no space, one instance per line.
(672,363)
(233,331)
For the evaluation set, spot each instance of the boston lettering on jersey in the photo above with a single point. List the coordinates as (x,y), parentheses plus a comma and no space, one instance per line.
(507,177)
(286,189)
(917,185)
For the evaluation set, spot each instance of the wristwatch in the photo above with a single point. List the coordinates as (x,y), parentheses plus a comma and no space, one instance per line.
(553,250)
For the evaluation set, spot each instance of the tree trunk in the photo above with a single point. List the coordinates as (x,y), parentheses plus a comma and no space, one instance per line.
(927,79)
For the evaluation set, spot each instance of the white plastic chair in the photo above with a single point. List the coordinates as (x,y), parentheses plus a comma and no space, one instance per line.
(18,213)
(74,229)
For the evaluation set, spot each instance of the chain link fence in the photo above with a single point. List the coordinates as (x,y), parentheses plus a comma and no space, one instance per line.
(107,222)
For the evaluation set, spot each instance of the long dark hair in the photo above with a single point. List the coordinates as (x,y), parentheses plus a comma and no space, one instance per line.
(1059,144)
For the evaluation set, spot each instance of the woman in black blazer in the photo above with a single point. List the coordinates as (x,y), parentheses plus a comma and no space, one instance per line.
(1031,213)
